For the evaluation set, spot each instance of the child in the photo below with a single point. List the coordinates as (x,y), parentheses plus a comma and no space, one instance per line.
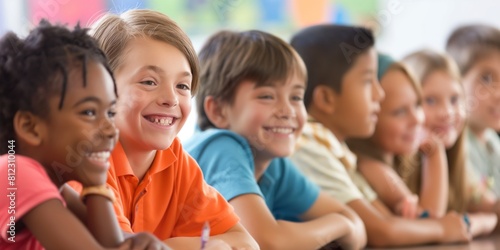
(476,49)
(159,187)
(398,133)
(57,106)
(342,98)
(445,117)
(251,112)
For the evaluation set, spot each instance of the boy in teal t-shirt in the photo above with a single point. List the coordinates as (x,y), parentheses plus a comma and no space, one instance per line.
(251,112)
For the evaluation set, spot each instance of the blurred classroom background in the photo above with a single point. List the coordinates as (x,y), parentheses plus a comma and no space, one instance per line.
(401,26)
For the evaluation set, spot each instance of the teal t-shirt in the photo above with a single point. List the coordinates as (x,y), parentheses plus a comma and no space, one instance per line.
(227,163)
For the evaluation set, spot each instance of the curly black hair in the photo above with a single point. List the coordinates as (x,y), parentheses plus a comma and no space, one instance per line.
(37,67)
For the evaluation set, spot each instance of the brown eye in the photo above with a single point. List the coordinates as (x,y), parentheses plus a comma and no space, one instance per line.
(149,82)
(183,86)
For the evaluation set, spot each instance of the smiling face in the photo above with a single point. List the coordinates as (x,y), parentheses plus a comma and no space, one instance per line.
(270,117)
(81,135)
(401,116)
(482,88)
(443,107)
(154,85)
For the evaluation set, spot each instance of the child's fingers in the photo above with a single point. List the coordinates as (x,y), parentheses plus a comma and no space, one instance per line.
(126,245)
(216,244)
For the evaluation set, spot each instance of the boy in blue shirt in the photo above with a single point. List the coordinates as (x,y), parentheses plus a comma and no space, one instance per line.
(251,112)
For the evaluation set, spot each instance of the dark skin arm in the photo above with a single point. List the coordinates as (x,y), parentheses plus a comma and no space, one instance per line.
(71,234)
(98,214)
(136,241)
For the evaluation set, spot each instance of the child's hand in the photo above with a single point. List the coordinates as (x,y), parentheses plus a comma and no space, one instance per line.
(146,241)
(216,244)
(408,207)
(430,142)
(455,228)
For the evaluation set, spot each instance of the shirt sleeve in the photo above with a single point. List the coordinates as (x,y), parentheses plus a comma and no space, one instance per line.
(227,164)
(296,193)
(200,203)
(327,172)
(28,187)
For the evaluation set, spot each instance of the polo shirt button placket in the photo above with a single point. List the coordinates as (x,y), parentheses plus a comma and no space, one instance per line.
(140,196)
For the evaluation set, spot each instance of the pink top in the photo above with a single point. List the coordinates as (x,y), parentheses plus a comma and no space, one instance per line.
(24,184)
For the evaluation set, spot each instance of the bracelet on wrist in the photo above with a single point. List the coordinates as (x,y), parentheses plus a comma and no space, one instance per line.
(102,190)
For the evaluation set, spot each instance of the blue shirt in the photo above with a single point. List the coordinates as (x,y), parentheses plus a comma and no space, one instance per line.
(227,163)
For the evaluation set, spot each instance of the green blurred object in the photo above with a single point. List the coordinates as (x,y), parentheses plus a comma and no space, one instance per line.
(384,61)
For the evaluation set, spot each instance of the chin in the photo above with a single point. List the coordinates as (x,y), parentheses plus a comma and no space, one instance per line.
(161,144)
(366,133)
(449,142)
(282,153)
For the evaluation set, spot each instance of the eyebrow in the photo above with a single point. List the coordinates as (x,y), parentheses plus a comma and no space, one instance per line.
(92,99)
(299,86)
(160,71)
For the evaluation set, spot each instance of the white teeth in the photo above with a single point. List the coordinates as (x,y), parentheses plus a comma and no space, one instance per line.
(162,121)
(282,130)
(100,156)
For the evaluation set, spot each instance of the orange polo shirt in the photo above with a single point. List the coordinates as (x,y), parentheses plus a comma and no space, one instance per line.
(172,199)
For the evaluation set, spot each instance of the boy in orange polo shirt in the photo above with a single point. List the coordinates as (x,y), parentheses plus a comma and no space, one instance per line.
(159,187)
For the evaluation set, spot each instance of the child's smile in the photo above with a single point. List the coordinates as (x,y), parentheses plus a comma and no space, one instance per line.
(154,85)
(270,117)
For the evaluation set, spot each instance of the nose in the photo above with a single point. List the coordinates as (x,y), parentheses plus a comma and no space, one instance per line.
(167,96)
(446,111)
(285,110)
(108,129)
(378,93)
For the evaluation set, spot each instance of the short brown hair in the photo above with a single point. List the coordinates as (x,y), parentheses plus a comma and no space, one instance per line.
(113,32)
(228,58)
(468,44)
(329,51)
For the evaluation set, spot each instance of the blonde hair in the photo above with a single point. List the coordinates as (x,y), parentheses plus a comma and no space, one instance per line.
(113,33)
(423,63)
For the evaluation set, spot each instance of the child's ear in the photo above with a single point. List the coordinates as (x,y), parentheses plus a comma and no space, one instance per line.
(28,127)
(215,112)
(324,99)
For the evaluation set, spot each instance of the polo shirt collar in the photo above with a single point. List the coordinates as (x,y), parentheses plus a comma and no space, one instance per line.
(163,159)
